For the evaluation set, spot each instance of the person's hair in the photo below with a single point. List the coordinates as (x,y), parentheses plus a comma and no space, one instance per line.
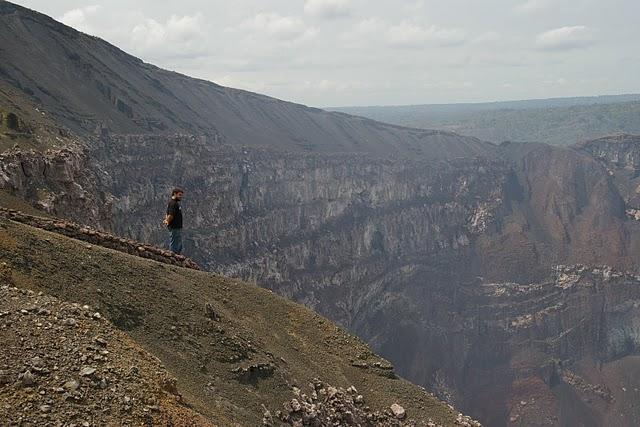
(176,191)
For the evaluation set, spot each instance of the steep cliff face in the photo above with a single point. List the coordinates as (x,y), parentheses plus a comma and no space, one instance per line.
(400,252)
(56,180)
(620,154)
(558,348)
(317,228)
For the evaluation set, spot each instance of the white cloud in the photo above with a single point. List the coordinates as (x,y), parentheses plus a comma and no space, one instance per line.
(532,6)
(77,18)
(364,31)
(407,34)
(327,9)
(489,36)
(566,38)
(390,45)
(284,28)
(178,36)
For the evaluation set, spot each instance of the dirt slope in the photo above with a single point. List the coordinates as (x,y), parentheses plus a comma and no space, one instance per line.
(63,363)
(235,348)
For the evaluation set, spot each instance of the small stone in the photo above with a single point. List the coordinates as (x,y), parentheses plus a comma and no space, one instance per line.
(45,408)
(87,371)
(97,316)
(27,379)
(398,411)
(37,362)
(71,385)
(69,322)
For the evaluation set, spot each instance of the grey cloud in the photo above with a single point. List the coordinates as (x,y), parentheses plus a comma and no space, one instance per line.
(566,38)
(328,9)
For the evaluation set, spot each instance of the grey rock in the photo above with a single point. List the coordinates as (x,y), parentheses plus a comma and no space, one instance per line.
(27,379)
(398,411)
(70,321)
(71,385)
(87,371)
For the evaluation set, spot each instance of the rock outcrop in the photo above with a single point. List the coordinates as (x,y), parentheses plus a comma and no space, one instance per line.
(98,237)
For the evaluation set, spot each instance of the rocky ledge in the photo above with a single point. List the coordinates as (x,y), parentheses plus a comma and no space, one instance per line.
(100,238)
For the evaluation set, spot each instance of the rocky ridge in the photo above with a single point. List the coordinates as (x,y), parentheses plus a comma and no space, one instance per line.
(97,237)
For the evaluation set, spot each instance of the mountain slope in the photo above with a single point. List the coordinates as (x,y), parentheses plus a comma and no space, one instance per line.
(233,347)
(119,93)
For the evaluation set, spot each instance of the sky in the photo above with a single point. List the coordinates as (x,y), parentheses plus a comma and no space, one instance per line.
(378,52)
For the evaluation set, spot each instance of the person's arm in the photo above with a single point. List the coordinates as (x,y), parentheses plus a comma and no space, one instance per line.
(168,218)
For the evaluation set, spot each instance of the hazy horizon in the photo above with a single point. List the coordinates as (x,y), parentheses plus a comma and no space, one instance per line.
(355,53)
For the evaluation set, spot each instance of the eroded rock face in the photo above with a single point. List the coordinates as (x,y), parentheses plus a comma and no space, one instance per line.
(398,250)
(620,154)
(321,229)
(61,181)
(559,347)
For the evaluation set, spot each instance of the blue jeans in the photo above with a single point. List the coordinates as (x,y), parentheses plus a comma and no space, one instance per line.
(175,240)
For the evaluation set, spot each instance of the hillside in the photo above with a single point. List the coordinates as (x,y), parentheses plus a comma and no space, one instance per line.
(561,122)
(233,347)
(121,94)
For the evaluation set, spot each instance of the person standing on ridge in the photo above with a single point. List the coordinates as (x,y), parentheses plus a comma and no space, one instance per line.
(173,221)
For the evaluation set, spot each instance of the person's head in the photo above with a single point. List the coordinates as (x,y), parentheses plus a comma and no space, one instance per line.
(177,194)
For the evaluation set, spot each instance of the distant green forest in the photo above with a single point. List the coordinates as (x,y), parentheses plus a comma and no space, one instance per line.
(561,121)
